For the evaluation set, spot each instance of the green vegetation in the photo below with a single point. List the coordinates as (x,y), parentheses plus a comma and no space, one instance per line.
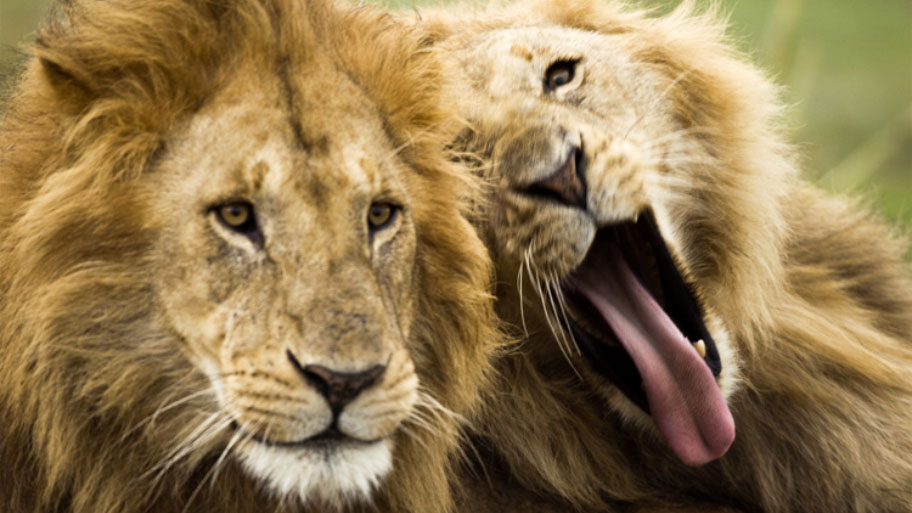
(846,65)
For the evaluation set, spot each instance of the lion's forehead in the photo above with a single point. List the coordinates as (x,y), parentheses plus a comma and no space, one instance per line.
(498,57)
(310,204)
(507,68)
(241,149)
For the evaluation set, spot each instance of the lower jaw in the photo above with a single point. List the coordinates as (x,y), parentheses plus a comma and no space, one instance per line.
(322,473)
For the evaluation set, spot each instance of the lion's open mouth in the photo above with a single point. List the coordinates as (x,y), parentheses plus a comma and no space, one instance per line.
(639,324)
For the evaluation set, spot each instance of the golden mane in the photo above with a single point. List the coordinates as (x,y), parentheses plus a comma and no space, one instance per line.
(812,289)
(108,80)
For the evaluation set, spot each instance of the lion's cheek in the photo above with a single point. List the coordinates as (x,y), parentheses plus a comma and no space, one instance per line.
(191,289)
(200,326)
(617,178)
(398,284)
(536,236)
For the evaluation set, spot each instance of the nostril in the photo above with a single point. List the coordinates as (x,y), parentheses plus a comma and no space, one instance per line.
(566,185)
(339,388)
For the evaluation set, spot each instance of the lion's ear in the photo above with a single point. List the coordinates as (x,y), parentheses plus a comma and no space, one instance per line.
(65,77)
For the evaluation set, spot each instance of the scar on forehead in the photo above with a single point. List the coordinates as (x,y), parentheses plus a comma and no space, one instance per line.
(257,174)
(521,51)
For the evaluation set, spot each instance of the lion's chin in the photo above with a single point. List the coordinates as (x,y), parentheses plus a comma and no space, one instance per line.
(336,474)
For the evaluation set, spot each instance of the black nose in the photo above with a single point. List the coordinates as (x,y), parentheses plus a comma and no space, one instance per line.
(566,185)
(339,388)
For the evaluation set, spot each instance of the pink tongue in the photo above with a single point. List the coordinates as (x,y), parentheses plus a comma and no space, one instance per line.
(684,398)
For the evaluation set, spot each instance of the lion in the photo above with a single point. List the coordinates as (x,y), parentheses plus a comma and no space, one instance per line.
(701,326)
(236,273)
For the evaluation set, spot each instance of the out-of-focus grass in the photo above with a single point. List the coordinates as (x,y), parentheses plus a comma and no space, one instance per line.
(846,65)
(18,21)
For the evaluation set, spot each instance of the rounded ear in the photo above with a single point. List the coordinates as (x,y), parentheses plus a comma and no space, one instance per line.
(64,77)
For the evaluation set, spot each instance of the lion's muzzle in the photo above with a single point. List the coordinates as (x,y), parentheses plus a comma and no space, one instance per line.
(567,185)
(337,388)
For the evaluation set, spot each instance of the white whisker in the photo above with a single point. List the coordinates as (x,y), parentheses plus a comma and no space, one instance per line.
(655,104)
(519,286)
(413,436)
(205,432)
(408,143)
(557,332)
(675,135)
(427,400)
(213,471)
(561,301)
(558,329)
(150,420)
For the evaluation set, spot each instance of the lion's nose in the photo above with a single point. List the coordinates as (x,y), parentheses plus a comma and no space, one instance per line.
(567,184)
(339,388)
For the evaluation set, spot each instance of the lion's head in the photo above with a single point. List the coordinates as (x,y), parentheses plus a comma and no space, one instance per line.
(651,236)
(606,143)
(236,274)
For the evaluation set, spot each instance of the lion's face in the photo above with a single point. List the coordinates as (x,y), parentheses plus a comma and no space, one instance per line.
(286,269)
(594,209)
(243,275)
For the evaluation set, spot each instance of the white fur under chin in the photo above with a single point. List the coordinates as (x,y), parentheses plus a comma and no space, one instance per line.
(343,475)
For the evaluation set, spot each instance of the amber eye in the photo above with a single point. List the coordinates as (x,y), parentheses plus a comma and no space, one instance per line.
(380,215)
(235,215)
(238,216)
(560,73)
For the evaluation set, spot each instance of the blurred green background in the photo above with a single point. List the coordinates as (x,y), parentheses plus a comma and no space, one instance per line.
(847,66)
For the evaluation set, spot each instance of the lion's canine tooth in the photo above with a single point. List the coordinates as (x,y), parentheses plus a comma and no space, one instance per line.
(700,346)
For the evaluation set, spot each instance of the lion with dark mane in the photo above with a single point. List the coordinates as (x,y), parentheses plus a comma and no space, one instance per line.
(700,325)
(235,274)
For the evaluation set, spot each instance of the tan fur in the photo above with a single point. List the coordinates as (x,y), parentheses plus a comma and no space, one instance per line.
(806,294)
(135,327)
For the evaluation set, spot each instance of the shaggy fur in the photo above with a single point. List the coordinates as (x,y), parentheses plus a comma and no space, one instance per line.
(806,294)
(131,318)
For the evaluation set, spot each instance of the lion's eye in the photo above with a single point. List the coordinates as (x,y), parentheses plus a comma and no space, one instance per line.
(560,73)
(238,216)
(235,215)
(380,215)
